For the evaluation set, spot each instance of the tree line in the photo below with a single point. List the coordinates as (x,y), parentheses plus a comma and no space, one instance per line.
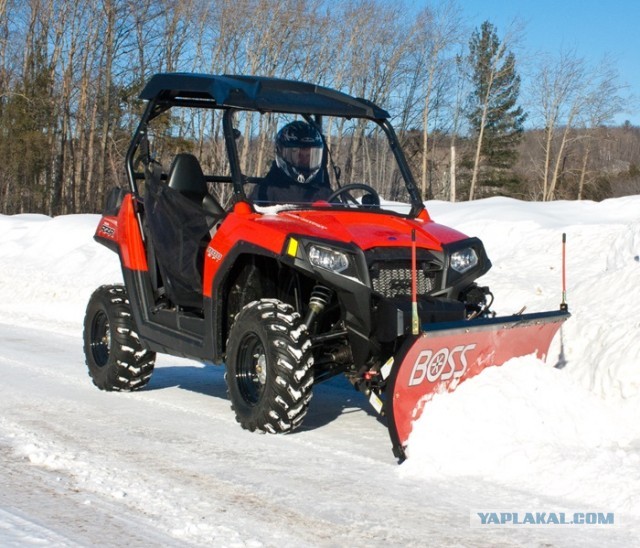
(71,72)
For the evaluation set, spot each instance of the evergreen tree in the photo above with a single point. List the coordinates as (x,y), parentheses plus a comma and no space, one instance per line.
(494,117)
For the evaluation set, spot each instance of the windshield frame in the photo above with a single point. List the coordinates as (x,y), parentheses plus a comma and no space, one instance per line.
(240,179)
(164,101)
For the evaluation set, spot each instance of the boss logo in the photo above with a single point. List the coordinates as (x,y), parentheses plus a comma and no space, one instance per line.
(444,364)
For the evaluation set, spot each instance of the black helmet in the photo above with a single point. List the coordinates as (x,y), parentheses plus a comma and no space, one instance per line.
(299,148)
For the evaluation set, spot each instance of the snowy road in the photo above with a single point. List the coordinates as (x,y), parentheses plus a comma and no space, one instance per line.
(169,466)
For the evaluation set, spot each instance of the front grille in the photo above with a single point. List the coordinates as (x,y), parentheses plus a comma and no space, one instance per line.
(393,279)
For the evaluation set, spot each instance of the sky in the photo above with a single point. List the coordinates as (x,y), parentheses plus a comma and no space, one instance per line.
(592,28)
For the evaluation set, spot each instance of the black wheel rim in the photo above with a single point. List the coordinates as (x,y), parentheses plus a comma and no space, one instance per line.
(100,339)
(251,373)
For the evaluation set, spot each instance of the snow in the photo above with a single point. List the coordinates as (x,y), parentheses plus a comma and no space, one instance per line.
(169,466)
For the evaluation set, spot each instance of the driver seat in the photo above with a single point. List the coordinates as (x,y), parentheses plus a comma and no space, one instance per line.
(186,176)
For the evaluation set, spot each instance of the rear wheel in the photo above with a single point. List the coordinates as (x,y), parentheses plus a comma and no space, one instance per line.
(113,353)
(269,367)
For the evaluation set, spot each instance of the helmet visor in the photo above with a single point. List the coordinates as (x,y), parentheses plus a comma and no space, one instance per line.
(303,158)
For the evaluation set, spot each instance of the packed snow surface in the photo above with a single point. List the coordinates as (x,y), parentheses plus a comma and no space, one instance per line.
(168,466)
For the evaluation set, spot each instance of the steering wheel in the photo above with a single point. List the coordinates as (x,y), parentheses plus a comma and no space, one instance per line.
(370,199)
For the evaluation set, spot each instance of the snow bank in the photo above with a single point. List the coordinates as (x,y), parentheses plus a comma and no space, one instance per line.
(532,427)
(523,240)
(573,432)
(50,266)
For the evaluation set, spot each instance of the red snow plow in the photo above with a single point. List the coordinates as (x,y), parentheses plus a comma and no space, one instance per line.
(290,274)
(443,356)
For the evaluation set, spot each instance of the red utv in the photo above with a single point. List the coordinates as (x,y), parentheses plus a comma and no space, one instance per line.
(362,283)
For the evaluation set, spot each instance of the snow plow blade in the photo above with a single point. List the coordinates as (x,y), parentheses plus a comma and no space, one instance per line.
(444,355)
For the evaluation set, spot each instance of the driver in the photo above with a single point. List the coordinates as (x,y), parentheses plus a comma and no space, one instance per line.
(298,174)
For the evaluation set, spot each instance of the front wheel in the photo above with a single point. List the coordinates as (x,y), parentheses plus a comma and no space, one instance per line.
(113,353)
(269,367)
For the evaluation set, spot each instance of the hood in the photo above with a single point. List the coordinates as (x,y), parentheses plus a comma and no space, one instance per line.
(368,229)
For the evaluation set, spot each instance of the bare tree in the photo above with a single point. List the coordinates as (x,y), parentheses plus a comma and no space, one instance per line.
(558,92)
(436,31)
(457,107)
(602,103)
(4,39)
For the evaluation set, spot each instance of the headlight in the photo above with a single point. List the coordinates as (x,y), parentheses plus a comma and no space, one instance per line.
(329,259)
(464,260)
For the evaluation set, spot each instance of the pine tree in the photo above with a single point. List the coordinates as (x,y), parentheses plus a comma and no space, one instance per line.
(494,116)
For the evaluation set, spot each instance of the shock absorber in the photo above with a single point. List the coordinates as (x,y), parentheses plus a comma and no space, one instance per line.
(320,297)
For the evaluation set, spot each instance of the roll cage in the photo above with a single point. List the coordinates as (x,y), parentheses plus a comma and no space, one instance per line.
(259,94)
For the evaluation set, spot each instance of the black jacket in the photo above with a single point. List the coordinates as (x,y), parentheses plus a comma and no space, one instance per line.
(278,188)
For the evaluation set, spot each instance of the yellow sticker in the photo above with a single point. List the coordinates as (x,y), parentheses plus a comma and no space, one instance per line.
(292,248)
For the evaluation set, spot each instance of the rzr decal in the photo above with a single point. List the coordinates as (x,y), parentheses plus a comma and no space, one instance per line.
(214,254)
(107,231)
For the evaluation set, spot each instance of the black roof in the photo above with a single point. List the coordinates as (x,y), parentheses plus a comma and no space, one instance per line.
(259,93)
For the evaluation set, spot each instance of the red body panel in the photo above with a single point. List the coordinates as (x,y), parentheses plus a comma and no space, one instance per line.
(366,230)
(124,231)
(439,361)
(269,232)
